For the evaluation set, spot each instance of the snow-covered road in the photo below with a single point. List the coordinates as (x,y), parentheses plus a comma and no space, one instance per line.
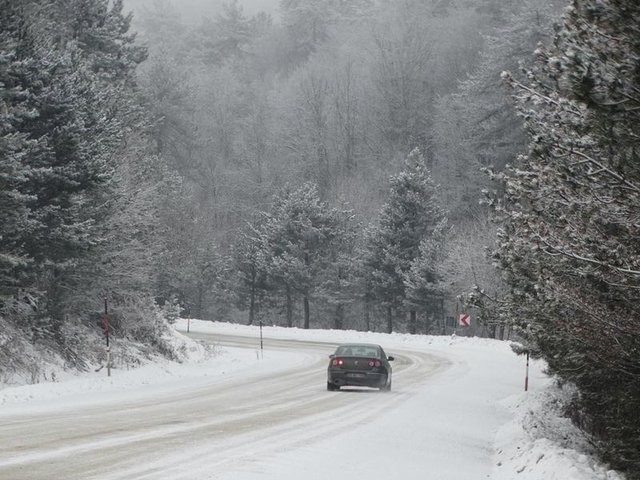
(240,416)
(216,427)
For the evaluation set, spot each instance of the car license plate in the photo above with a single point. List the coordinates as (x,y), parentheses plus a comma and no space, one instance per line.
(355,375)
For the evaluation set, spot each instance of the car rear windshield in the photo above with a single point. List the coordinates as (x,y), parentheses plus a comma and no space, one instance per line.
(357,351)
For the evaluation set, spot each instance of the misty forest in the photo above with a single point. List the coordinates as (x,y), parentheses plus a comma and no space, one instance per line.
(369,165)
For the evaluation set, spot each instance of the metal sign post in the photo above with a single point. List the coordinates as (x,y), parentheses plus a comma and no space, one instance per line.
(106,334)
(261,345)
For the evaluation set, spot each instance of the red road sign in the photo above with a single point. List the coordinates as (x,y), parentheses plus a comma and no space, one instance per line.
(465,320)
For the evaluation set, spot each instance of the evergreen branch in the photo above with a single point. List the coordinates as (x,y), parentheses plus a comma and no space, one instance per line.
(622,285)
(598,164)
(608,37)
(546,98)
(482,292)
(626,271)
(629,98)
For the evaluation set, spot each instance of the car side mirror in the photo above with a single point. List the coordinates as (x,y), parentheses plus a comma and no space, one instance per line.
(332,355)
(391,359)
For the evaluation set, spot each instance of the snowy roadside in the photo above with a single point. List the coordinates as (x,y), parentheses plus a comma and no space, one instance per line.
(532,440)
(201,367)
(539,443)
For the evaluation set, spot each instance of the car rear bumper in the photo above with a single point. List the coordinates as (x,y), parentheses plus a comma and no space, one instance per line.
(357,379)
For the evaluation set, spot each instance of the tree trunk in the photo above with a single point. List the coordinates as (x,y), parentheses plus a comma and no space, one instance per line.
(367,316)
(389,320)
(492,331)
(289,309)
(324,172)
(338,322)
(306,312)
(252,305)
(54,308)
(200,299)
(413,322)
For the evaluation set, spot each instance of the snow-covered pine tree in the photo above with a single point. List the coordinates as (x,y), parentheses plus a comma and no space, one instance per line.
(478,126)
(75,127)
(14,146)
(338,282)
(424,285)
(229,35)
(60,170)
(102,31)
(307,24)
(302,234)
(250,279)
(569,246)
(410,215)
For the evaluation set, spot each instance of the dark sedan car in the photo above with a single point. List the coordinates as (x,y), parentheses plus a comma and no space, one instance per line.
(359,365)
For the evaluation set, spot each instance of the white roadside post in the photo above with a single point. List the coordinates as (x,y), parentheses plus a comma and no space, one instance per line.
(106,334)
(526,375)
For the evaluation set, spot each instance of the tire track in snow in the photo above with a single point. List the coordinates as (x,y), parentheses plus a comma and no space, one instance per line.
(226,425)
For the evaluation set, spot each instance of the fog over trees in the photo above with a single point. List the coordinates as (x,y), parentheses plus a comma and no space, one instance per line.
(192,11)
(327,164)
(338,94)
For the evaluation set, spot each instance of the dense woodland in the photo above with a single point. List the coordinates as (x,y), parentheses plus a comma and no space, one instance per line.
(363,165)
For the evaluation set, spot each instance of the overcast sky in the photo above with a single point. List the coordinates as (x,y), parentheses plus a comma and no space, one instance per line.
(194,9)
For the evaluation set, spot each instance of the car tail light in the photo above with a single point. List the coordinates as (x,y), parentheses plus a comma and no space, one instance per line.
(375,363)
(337,362)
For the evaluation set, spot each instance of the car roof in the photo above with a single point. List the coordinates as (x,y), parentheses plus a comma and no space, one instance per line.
(359,345)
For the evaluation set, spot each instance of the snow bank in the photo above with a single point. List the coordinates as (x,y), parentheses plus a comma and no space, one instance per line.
(201,366)
(540,443)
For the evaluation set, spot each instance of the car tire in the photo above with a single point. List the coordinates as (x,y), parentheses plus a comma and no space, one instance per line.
(331,387)
(387,387)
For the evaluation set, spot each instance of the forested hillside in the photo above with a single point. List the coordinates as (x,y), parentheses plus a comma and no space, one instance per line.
(318,169)
(355,164)
(337,95)
(76,211)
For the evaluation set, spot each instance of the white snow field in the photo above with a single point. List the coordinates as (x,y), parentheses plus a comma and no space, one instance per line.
(457,411)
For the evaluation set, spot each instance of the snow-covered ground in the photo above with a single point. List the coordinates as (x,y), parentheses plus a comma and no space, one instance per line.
(469,420)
